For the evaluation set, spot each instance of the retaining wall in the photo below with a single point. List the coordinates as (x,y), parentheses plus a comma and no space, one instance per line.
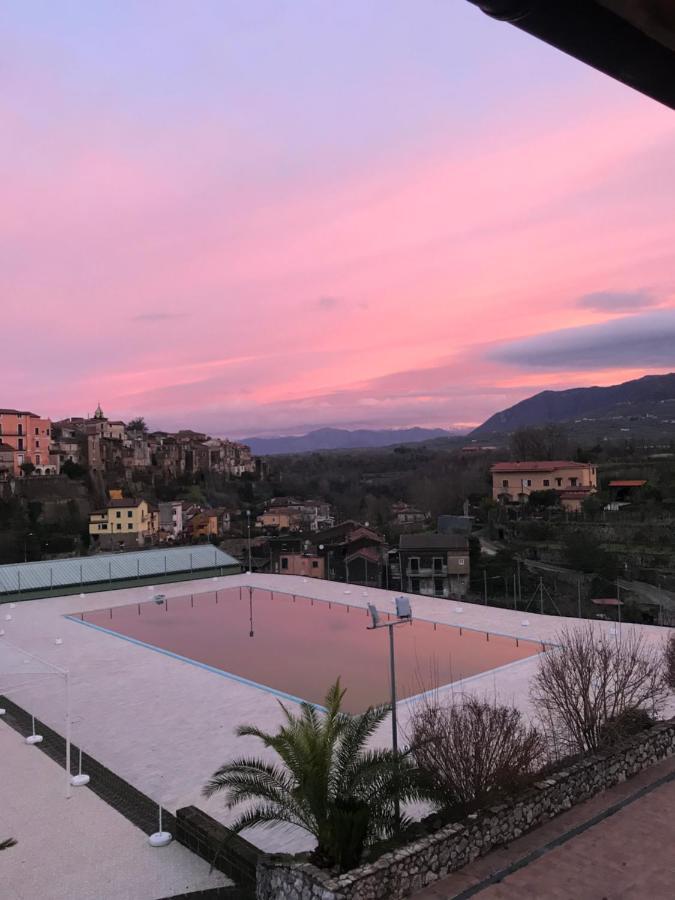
(399,873)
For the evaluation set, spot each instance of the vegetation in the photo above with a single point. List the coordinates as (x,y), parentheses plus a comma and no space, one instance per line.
(326,781)
(137,424)
(591,679)
(472,749)
(6,844)
(669,662)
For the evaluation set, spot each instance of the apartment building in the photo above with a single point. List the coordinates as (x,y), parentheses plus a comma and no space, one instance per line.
(436,565)
(30,438)
(513,482)
(124,522)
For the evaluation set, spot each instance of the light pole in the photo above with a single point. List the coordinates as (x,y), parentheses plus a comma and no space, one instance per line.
(403,616)
(25,546)
(248,530)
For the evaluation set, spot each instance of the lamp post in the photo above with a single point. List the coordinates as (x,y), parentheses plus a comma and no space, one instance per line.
(25,546)
(403,616)
(248,531)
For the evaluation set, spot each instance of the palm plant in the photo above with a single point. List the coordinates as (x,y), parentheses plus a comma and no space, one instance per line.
(6,844)
(326,783)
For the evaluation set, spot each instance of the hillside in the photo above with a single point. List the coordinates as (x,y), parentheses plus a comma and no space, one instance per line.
(342,439)
(647,401)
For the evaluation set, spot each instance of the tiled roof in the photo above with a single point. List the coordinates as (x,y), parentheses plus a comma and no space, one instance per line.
(123,504)
(538,466)
(628,483)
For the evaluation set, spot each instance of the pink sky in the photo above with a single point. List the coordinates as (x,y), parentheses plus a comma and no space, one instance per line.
(273,237)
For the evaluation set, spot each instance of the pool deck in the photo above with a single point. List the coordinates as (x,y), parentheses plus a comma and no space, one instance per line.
(165,725)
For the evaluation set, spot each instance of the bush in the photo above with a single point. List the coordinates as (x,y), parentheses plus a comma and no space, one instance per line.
(669,662)
(592,678)
(472,749)
(627,723)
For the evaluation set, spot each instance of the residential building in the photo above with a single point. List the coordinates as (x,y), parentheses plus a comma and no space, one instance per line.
(353,553)
(170,520)
(297,515)
(309,565)
(209,523)
(124,522)
(100,425)
(513,482)
(405,514)
(281,518)
(436,565)
(30,438)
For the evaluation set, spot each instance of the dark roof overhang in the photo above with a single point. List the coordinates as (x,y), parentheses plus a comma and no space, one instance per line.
(630,40)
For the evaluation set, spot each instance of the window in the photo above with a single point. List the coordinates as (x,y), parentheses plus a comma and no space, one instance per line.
(284,562)
(414,564)
(573,482)
(438,587)
(460,561)
(37,459)
(118,514)
(558,481)
(119,526)
(315,564)
(546,482)
(129,514)
(415,585)
(528,482)
(19,429)
(103,526)
(37,443)
(130,526)
(37,431)
(505,482)
(438,563)
(20,444)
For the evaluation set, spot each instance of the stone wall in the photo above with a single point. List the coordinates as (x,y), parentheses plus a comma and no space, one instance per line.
(399,873)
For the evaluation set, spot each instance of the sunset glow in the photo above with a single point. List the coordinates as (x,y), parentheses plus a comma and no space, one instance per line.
(261,218)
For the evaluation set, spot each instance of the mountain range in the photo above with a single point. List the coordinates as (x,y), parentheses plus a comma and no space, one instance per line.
(651,398)
(342,439)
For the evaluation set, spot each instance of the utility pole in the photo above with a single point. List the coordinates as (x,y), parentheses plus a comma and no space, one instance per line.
(515,595)
(579,598)
(485,585)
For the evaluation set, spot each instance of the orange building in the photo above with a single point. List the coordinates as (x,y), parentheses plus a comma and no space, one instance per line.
(30,438)
(515,481)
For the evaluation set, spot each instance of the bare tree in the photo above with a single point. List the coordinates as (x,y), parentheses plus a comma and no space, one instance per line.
(472,748)
(592,678)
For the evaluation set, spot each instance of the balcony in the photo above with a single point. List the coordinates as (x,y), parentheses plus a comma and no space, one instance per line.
(427,571)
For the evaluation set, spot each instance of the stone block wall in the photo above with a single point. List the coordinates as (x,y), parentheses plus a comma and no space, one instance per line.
(398,874)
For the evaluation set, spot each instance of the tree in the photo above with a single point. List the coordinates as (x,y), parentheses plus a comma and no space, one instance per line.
(326,783)
(27,468)
(669,662)
(583,552)
(473,748)
(137,424)
(591,678)
(545,499)
(549,442)
(72,469)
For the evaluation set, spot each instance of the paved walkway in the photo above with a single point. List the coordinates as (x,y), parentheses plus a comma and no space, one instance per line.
(628,855)
(79,849)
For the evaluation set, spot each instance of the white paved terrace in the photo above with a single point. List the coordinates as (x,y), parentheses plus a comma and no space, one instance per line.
(165,725)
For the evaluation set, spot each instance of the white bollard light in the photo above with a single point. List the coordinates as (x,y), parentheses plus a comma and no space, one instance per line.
(160,838)
(34,738)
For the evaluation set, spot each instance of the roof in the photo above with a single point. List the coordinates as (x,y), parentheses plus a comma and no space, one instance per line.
(369,553)
(628,483)
(539,465)
(432,541)
(124,503)
(18,412)
(607,601)
(106,567)
(6,447)
(633,42)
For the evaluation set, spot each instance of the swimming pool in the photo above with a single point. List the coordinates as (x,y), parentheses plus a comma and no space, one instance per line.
(297,646)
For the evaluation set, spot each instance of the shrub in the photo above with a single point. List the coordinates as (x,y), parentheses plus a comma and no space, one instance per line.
(592,678)
(627,723)
(669,662)
(472,749)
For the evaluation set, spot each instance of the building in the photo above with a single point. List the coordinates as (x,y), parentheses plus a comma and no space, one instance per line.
(309,565)
(100,425)
(281,518)
(405,514)
(123,523)
(513,482)
(436,565)
(353,553)
(209,523)
(30,438)
(289,514)
(170,520)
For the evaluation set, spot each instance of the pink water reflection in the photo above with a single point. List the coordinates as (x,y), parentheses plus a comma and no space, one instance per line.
(299,646)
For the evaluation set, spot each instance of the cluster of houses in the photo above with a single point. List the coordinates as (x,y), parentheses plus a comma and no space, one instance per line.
(30,444)
(129,523)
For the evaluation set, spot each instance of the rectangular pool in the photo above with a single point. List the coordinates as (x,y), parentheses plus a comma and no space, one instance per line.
(297,647)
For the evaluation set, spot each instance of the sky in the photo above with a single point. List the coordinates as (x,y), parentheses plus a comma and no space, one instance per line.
(268,216)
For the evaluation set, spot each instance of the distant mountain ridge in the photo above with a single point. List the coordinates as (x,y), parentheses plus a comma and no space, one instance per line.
(343,439)
(642,396)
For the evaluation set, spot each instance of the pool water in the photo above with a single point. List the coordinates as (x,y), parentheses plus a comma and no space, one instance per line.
(297,646)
